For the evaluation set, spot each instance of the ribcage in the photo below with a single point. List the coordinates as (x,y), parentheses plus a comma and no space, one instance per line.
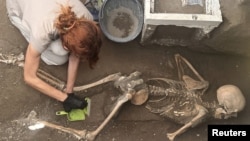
(170,99)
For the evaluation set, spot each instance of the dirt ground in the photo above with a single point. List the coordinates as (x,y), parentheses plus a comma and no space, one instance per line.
(134,123)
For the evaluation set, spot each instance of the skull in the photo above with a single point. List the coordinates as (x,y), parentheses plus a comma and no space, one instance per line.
(231,100)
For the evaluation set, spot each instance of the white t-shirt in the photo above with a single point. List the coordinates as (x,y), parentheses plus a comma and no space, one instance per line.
(39,17)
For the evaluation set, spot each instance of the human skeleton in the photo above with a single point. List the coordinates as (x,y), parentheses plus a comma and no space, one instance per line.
(179,100)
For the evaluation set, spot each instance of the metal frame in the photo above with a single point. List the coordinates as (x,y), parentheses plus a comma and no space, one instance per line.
(207,22)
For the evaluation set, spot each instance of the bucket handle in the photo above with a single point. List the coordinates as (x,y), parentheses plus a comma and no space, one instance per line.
(101,9)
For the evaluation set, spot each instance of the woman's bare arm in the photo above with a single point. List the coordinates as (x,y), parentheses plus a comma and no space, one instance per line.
(31,66)
(72,72)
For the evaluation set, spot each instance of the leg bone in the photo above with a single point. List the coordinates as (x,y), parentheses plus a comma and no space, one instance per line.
(61,85)
(121,100)
(33,121)
(79,134)
(178,59)
(112,77)
(190,83)
(51,79)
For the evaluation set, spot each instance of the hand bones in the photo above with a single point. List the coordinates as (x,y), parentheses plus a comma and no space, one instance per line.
(12,59)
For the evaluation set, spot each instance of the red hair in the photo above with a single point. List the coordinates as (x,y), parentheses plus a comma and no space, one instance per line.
(80,36)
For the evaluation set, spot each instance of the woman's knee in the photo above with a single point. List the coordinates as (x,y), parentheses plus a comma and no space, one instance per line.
(57,48)
(52,59)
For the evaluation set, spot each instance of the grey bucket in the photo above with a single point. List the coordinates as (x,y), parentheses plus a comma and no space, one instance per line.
(121,20)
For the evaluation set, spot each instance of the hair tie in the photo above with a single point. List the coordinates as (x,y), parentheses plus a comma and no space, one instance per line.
(68,28)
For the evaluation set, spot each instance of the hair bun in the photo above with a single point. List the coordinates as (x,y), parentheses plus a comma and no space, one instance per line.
(66,19)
